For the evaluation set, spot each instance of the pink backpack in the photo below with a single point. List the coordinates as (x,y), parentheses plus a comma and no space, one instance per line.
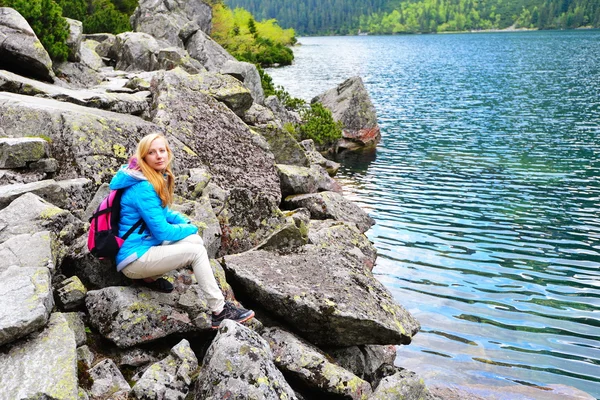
(103,237)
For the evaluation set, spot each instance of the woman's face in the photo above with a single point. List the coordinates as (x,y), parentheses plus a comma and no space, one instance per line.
(158,156)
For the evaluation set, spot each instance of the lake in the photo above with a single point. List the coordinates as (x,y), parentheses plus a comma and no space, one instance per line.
(486,193)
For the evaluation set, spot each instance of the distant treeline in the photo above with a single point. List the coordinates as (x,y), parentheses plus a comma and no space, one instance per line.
(325,17)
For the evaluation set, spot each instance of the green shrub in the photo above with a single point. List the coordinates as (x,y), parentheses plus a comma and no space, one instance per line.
(318,124)
(289,102)
(46,20)
(104,17)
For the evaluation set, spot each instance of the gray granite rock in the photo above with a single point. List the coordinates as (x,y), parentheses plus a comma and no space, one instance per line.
(308,365)
(25,301)
(17,152)
(70,293)
(29,250)
(42,365)
(108,380)
(239,365)
(74,39)
(169,378)
(327,296)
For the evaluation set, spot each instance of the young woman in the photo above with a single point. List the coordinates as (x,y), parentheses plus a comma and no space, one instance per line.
(166,240)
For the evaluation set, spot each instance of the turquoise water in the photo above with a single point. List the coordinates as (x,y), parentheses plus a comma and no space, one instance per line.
(486,193)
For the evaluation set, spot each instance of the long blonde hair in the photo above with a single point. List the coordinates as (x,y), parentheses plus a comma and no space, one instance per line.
(163,182)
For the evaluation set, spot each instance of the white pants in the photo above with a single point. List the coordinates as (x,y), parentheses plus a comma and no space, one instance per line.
(159,260)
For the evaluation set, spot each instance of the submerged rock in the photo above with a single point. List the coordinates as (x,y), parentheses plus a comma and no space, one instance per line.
(351,104)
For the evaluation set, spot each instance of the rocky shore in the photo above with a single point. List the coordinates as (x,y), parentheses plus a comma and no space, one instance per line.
(282,237)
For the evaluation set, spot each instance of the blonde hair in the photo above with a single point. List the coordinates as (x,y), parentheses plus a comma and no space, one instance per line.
(163,182)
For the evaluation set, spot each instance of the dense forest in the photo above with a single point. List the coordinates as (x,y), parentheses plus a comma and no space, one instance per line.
(325,17)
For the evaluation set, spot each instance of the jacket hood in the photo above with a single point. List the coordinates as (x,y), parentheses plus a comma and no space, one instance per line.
(126,177)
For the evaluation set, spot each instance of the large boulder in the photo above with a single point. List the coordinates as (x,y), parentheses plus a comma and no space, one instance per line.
(165,19)
(85,141)
(169,378)
(47,189)
(25,301)
(239,365)
(30,250)
(126,103)
(331,205)
(74,39)
(351,104)
(342,237)
(41,366)
(216,137)
(108,381)
(20,49)
(134,315)
(248,74)
(30,214)
(136,51)
(301,180)
(18,152)
(364,361)
(283,145)
(402,385)
(210,54)
(310,367)
(326,296)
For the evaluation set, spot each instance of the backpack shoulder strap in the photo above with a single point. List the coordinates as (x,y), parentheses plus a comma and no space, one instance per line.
(139,224)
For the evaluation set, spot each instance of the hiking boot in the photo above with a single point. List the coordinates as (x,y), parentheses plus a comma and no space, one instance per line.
(160,285)
(230,311)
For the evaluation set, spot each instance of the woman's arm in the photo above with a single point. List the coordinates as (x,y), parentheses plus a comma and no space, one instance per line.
(150,208)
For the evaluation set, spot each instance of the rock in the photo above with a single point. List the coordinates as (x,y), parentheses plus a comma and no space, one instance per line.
(30,250)
(281,113)
(74,39)
(259,115)
(79,74)
(17,152)
(342,237)
(88,55)
(239,365)
(108,380)
(314,157)
(102,191)
(129,316)
(79,193)
(45,165)
(402,385)
(247,74)
(284,147)
(30,213)
(41,366)
(302,180)
(85,355)
(136,51)
(86,142)
(20,49)
(326,296)
(325,205)
(364,361)
(310,368)
(76,324)
(216,137)
(25,301)
(350,104)
(48,189)
(291,235)
(169,378)
(210,54)
(93,272)
(136,357)
(71,293)
(173,57)
(165,20)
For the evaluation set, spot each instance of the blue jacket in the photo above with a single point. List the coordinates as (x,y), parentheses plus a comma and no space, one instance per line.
(140,200)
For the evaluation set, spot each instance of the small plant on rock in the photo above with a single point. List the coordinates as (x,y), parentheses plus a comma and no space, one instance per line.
(318,124)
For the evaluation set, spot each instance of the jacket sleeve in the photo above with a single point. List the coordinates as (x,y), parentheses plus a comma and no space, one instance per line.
(173,217)
(149,206)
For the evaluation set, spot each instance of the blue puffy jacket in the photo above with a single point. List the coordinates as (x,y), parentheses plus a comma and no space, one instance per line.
(140,200)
